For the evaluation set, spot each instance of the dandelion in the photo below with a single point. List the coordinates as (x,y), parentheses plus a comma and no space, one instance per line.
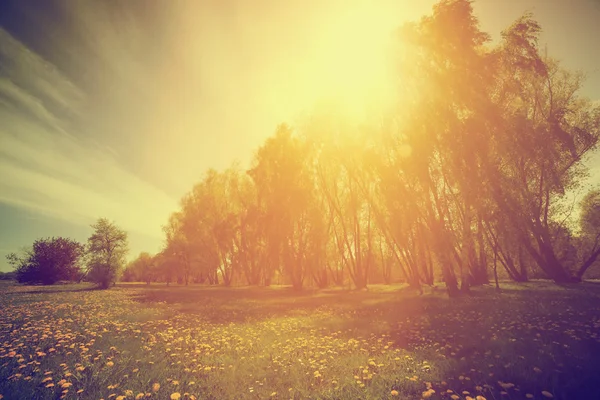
(394,393)
(155,387)
(139,396)
(273,394)
(110,364)
(175,396)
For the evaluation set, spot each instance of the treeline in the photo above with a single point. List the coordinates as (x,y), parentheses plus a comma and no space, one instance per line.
(466,178)
(50,260)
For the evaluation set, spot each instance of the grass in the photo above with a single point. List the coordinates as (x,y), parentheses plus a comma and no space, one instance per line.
(532,340)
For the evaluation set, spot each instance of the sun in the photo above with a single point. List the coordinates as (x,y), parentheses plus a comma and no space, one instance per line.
(352,62)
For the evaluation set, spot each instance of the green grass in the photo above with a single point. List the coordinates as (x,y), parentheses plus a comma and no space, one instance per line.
(258,343)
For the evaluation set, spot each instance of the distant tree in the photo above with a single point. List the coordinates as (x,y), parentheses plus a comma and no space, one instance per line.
(589,224)
(48,261)
(8,276)
(142,269)
(106,250)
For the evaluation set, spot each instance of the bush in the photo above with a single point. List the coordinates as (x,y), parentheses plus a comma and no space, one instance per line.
(48,261)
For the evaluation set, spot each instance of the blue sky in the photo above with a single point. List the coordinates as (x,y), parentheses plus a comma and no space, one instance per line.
(115,109)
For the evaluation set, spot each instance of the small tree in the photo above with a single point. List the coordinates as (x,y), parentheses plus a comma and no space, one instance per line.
(107,248)
(48,261)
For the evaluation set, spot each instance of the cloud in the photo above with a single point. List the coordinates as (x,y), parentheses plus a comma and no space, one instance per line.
(50,171)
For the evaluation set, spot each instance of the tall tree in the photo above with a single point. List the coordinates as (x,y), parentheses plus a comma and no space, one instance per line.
(106,250)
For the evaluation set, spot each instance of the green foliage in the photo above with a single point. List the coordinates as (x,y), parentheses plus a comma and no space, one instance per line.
(48,261)
(106,251)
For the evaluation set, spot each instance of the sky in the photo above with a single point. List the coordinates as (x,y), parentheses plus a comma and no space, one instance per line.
(116,108)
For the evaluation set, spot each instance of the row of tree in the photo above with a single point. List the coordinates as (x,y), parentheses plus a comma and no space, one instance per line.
(50,260)
(466,177)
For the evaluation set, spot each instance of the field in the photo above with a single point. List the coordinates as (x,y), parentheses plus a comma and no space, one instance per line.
(534,340)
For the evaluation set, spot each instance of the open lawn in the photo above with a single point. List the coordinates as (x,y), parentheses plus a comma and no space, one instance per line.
(534,340)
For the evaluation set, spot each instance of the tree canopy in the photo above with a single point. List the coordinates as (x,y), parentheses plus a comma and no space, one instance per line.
(48,261)
(106,251)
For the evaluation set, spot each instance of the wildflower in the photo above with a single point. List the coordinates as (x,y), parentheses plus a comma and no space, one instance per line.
(155,387)
(394,393)
(175,396)
(110,364)
(139,396)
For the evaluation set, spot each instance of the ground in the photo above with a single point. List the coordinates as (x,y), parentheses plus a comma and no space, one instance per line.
(534,340)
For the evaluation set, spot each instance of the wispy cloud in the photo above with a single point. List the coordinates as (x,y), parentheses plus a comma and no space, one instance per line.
(49,171)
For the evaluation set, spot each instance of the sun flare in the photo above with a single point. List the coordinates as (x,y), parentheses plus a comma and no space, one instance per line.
(350,64)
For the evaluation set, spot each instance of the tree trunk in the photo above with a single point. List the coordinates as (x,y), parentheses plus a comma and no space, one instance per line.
(496,269)
(588,263)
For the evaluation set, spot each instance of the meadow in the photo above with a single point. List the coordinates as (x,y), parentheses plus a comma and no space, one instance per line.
(530,341)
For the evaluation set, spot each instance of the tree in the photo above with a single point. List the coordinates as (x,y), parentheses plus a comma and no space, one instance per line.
(106,250)
(589,224)
(142,269)
(48,261)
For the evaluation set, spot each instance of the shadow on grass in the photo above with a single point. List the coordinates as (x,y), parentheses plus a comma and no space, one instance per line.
(536,336)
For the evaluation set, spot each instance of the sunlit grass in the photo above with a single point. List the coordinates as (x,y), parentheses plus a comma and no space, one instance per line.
(213,343)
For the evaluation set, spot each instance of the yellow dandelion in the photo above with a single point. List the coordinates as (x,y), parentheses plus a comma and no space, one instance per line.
(155,387)
(175,396)
(394,393)
(110,364)
(139,396)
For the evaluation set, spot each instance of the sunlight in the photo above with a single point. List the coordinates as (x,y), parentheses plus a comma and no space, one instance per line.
(350,63)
